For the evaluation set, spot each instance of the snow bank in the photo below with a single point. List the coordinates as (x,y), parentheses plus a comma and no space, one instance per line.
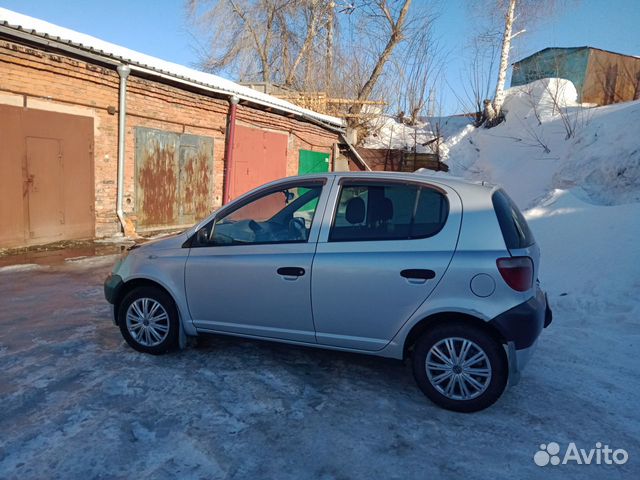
(588,250)
(604,159)
(551,142)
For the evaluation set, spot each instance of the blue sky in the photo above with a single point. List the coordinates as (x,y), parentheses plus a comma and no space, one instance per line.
(159,28)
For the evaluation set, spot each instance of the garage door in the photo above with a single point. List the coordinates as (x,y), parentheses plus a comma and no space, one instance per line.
(174,178)
(313,162)
(259,156)
(46,177)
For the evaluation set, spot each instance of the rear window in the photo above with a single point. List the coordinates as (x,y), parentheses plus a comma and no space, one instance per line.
(514,227)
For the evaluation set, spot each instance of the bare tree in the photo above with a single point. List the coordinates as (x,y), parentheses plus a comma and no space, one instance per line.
(313,18)
(345,48)
(396,22)
(242,34)
(478,76)
(418,70)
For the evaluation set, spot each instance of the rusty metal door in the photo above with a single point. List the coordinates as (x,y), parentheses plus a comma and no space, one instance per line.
(195,178)
(259,156)
(45,192)
(174,178)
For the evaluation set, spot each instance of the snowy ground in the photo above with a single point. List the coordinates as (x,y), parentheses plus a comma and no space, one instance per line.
(78,403)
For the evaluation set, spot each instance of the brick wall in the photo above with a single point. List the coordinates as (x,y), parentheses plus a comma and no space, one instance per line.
(34,78)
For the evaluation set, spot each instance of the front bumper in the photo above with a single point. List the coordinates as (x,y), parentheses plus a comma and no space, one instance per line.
(112,286)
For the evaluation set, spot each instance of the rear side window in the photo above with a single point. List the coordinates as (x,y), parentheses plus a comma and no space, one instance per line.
(514,227)
(388,212)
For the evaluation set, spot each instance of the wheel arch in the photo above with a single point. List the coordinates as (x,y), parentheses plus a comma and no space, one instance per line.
(133,283)
(432,321)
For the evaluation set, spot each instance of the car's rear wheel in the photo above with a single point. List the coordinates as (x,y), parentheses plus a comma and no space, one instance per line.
(148,320)
(460,367)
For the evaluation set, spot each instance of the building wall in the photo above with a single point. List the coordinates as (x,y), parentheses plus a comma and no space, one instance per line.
(611,78)
(33,78)
(568,63)
(600,77)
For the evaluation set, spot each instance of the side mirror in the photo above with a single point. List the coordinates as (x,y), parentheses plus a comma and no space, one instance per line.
(202,237)
(288,196)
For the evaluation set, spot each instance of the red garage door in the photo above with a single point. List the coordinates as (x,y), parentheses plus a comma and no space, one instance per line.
(259,156)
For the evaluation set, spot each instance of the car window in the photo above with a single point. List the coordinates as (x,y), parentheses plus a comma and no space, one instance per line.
(388,212)
(515,230)
(279,216)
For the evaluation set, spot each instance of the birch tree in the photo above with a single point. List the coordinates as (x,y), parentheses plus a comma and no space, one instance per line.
(511,18)
(498,98)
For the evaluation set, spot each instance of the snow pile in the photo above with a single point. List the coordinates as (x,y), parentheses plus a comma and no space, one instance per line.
(24,267)
(550,142)
(388,133)
(542,98)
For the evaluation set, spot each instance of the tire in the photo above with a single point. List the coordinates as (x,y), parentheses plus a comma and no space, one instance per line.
(148,320)
(460,383)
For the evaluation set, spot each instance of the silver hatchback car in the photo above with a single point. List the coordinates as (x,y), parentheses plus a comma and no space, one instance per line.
(434,269)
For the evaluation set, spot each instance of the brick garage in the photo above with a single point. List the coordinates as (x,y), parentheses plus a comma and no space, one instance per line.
(179,123)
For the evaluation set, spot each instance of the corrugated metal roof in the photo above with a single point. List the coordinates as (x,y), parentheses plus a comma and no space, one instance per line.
(566,49)
(45,31)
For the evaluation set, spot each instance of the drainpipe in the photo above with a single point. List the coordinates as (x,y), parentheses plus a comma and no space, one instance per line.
(228,154)
(123,71)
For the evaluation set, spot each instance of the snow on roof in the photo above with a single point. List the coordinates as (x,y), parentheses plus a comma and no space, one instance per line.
(141,62)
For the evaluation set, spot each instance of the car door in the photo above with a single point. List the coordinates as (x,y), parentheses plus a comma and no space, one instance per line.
(249,269)
(384,246)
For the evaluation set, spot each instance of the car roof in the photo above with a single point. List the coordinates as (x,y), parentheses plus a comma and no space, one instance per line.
(459,184)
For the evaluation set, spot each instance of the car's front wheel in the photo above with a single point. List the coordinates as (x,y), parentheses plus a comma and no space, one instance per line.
(460,367)
(148,320)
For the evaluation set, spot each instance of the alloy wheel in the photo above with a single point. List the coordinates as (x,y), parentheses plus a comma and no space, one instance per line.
(458,368)
(147,322)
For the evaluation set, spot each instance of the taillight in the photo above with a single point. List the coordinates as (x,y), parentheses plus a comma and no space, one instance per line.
(517,272)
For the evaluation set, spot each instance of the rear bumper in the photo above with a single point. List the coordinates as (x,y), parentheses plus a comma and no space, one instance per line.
(521,326)
(523,323)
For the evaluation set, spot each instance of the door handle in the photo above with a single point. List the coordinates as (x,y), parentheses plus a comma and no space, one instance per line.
(291,271)
(418,274)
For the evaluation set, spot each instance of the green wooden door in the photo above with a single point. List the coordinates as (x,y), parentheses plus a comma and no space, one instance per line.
(313,162)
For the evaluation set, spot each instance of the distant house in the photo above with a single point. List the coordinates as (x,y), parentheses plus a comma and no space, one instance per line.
(600,76)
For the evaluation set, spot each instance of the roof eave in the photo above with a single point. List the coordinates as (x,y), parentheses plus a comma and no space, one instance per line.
(114,60)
